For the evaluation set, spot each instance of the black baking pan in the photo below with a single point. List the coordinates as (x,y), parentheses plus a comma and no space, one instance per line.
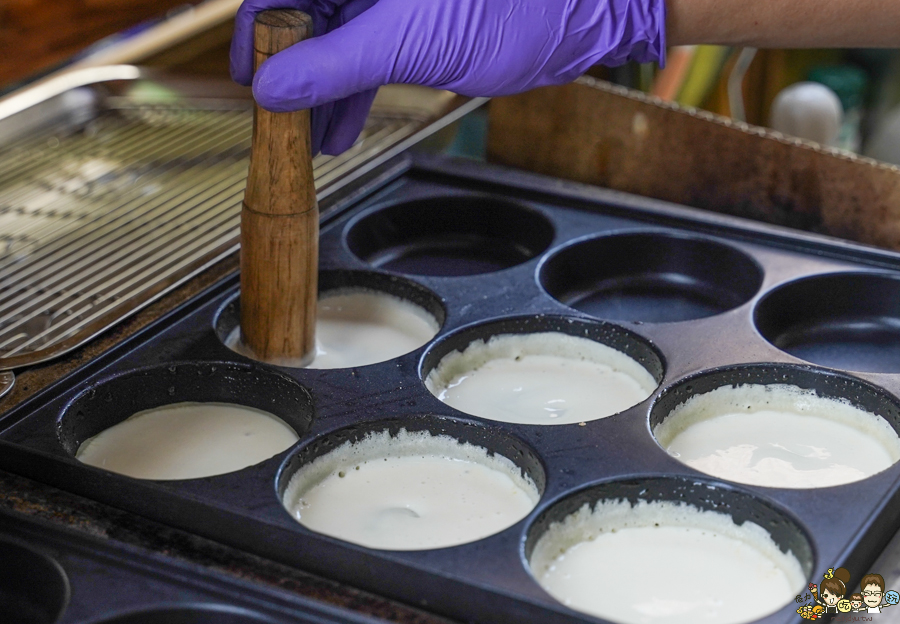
(53,575)
(699,299)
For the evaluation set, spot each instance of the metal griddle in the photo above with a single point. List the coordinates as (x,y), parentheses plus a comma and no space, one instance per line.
(117,185)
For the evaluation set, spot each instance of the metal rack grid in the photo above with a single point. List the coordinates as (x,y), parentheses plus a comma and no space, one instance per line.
(98,220)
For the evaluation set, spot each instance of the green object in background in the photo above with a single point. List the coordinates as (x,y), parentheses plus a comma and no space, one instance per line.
(471,136)
(153,93)
(849,83)
(646,74)
(705,70)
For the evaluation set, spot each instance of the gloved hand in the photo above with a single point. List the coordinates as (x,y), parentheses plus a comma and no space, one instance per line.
(471,47)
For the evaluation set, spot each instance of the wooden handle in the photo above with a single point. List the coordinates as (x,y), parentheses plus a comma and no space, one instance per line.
(279,218)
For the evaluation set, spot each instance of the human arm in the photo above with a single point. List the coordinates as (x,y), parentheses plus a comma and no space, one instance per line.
(499,47)
(471,47)
(785,23)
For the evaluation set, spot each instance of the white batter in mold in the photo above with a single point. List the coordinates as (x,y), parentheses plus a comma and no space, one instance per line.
(547,378)
(664,562)
(188,441)
(778,436)
(361,327)
(413,491)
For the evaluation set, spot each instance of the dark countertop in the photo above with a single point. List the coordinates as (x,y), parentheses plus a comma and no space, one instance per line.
(28,498)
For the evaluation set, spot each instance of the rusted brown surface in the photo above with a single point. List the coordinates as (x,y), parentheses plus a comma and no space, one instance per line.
(599,134)
(36,35)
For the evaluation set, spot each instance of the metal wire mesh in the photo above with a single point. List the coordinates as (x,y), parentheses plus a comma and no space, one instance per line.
(98,220)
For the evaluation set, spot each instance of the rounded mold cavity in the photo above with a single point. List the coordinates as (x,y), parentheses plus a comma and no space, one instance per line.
(421,309)
(33,587)
(843,320)
(455,500)
(200,614)
(779,425)
(542,370)
(650,277)
(450,236)
(662,570)
(115,399)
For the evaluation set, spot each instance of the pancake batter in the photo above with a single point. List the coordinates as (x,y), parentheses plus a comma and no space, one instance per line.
(778,436)
(546,378)
(188,441)
(664,562)
(361,327)
(410,492)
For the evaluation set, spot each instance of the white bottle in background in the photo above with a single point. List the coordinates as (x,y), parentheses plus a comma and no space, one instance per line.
(884,142)
(808,110)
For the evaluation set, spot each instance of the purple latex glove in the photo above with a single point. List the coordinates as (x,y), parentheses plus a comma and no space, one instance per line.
(471,47)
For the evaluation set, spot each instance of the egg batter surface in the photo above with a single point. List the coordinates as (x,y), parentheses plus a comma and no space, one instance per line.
(547,378)
(413,491)
(778,436)
(664,562)
(188,441)
(361,327)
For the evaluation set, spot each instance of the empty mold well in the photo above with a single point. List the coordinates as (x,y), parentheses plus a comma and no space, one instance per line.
(33,587)
(449,236)
(842,320)
(650,277)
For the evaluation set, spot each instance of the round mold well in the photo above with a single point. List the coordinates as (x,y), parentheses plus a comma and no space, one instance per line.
(495,440)
(339,282)
(199,614)
(635,347)
(785,531)
(650,277)
(824,383)
(33,587)
(111,401)
(849,321)
(449,236)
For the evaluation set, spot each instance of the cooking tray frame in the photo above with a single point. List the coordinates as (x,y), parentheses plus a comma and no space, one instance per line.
(486,580)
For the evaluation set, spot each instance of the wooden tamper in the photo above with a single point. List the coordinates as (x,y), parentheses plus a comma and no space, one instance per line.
(279,218)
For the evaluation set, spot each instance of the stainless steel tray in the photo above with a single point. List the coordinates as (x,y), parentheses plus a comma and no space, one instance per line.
(118,184)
